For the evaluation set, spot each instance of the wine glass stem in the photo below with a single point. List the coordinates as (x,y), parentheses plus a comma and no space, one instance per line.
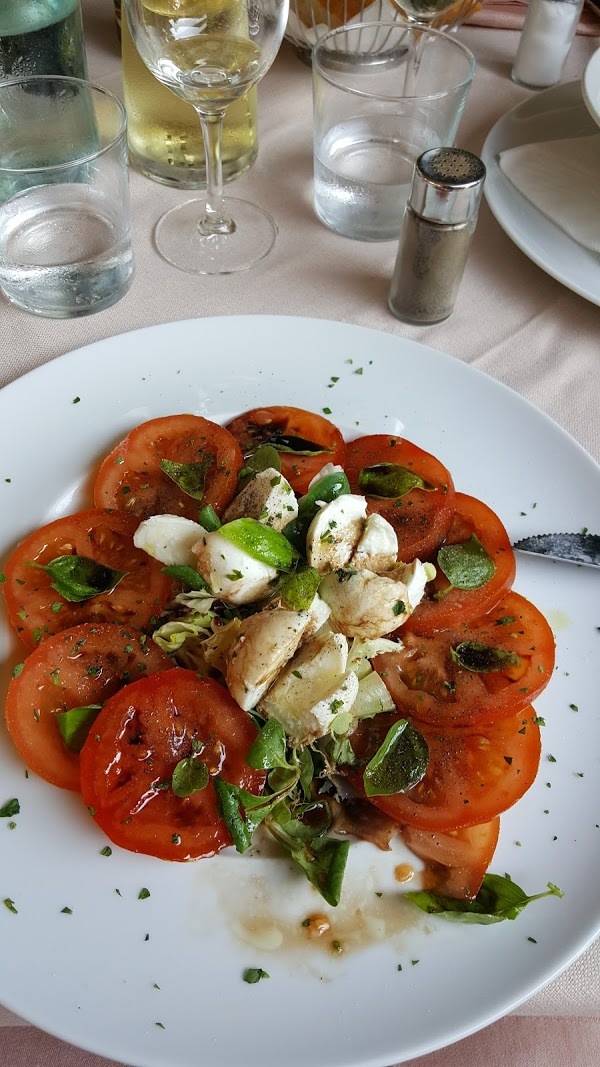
(412,66)
(215,219)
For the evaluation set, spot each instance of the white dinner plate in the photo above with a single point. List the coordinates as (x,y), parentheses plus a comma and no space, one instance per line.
(545,116)
(157,981)
(590,86)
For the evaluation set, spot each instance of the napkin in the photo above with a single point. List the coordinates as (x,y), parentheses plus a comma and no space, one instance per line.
(510,14)
(561,179)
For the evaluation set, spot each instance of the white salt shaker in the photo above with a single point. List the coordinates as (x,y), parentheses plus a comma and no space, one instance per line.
(546,38)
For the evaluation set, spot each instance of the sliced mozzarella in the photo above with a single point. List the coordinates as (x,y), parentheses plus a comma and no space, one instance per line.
(377,549)
(268,497)
(231,573)
(264,644)
(329,468)
(313,689)
(364,604)
(415,577)
(318,614)
(169,538)
(335,532)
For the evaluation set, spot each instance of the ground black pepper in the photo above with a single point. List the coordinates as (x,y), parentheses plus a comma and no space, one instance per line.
(439,221)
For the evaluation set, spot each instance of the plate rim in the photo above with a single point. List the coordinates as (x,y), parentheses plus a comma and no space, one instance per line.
(592,70)
(511,227)
(438,353)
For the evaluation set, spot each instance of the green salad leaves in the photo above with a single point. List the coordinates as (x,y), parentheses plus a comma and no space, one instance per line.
(499,898)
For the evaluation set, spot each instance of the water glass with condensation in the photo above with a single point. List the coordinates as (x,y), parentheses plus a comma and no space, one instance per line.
(383,93)
(65,235)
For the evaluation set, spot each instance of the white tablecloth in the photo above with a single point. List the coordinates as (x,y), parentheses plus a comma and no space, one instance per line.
(511,320)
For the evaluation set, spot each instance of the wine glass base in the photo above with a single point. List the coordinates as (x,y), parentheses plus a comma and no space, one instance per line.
(178,238)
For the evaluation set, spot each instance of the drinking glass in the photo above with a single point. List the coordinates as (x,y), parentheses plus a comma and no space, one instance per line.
(65,236)
(210,52)
(368,131)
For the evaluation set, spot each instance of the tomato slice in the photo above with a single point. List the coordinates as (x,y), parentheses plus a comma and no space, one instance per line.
(256,427)
(471,516)
(422,517)
(78,667)
(456,860)
(131,478)
(425,681)
(36,610)
(473,775)
(138,739)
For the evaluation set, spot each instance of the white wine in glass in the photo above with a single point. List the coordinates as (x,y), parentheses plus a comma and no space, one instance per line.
(210,52)
(423,12)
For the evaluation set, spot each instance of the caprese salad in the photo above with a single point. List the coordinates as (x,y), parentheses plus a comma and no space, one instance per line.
(261,625)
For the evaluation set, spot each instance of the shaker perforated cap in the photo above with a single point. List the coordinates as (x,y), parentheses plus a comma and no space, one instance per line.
(447,185)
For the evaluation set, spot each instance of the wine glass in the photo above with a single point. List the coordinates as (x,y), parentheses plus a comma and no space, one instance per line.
(210,52)
(421,15)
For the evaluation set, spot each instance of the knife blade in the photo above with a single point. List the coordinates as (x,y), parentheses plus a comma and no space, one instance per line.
(581,548)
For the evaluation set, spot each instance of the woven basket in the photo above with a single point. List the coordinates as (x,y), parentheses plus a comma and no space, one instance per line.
(310,19)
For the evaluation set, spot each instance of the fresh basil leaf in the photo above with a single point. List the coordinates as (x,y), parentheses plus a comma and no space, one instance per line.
(229,800)
(190,477)
(322,859)
(284,442)
(208,518)
(324,864)
(268,749)
(283,780)
(75,724)
(307,771)
(325,490)
(482,659)
(187,575)
(499,898)
(12,807)
(299,588)
(242,812)
(389,480)
(189,777)
(399,763)
(261,542)
(466,565)
(79,578)
(308,821)
(266,456)
(252,975)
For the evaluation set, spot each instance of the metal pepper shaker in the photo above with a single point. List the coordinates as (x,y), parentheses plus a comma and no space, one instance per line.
(439,221)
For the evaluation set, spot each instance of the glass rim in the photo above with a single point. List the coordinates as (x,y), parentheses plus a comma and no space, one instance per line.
(393,24)
(81,159)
